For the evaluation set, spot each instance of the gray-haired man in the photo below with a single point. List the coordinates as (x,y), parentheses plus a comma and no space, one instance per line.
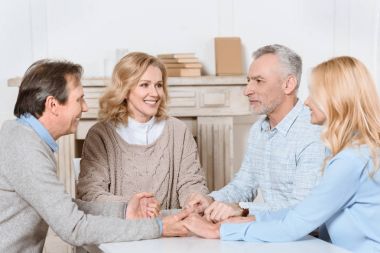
(284,153)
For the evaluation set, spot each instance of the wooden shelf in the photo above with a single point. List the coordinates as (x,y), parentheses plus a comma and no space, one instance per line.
(172,81)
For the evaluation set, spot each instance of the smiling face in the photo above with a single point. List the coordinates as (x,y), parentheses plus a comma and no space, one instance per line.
(264,89)
(145,98)
(71,111)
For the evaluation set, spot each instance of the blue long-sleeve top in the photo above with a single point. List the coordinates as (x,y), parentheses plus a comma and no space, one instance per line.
(347,202)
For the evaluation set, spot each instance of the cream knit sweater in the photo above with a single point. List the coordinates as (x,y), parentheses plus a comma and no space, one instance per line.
(114,170)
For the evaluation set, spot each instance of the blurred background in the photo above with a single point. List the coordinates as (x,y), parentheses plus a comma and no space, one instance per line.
(94,32)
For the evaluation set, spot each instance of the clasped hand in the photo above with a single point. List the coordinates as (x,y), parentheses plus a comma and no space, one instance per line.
(142,205)
(214,211)
(190,220)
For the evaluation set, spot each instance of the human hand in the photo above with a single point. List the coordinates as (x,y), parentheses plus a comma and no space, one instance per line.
(239,219)
(201,227)
(151,207)
(219,211)
(142,205)
(173,225)
(198,202)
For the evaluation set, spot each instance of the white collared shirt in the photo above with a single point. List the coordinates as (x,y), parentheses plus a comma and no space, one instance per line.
(141,133)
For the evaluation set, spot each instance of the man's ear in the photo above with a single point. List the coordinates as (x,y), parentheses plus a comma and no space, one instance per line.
(290,84)
(51,105)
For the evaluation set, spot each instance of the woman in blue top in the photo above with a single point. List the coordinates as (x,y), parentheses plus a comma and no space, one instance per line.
(344,100)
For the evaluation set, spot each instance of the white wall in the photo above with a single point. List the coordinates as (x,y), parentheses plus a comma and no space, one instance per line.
(89,31)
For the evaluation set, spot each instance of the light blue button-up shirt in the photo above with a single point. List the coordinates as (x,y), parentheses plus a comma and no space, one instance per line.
(30,120)
(284,162)
(347,201)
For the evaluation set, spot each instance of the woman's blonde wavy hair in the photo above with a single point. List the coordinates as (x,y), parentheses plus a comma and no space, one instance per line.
(345,91)
(126,74)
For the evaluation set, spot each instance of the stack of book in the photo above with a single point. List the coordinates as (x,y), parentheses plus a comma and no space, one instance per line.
(181,64)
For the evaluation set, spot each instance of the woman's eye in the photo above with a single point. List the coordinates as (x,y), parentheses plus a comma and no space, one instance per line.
(159,85)
(144,85)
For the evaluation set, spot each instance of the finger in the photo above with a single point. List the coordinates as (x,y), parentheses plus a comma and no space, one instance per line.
(213,216)
(190,210)
(209,209)
(183,214)
(152,214)
(207,217)
(217,212)
(141,195)
(221,213)
(192,203)
(198,209)
(153,204)
(153,200)
(153,210)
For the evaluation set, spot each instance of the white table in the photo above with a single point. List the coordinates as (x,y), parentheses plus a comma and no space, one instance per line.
(196,245)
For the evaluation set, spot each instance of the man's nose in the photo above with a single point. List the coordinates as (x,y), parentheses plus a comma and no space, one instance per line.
(248,89)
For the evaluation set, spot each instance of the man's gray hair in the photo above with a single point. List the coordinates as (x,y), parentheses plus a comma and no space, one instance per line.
(289,59)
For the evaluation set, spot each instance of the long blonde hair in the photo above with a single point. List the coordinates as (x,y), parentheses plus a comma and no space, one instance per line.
(126,74)
(346,92)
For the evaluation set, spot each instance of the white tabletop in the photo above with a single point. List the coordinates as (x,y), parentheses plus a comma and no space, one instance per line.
(196,245)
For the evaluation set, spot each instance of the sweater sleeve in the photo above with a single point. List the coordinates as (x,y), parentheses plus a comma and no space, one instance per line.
(95,176)
(191,176)
(33,176)
(112,209)
(336,189)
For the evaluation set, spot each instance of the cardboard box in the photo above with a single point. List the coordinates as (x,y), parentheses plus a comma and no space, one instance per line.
(228,56)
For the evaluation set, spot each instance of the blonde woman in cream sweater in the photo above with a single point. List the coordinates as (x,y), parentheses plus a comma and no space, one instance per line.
(136,147)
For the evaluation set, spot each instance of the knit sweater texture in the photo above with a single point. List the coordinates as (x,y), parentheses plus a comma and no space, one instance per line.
(114,170)
(33,198)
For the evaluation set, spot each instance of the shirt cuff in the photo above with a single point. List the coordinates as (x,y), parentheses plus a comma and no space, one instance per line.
(233,231)
(159,221)
(217,196)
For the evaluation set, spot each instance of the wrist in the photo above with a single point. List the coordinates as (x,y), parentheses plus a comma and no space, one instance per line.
(216,231)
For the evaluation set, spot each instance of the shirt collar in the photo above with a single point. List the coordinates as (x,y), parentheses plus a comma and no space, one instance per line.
(284,125)
(133,124)
(43,133)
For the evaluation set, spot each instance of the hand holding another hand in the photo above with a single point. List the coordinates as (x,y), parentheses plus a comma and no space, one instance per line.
(201,227)
(219,211)
(198,202)
(151,207)
(173,225)
(142,205)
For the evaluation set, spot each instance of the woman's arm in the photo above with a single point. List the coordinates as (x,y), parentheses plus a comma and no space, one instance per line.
(336,189)
(191,178)
(95,178)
